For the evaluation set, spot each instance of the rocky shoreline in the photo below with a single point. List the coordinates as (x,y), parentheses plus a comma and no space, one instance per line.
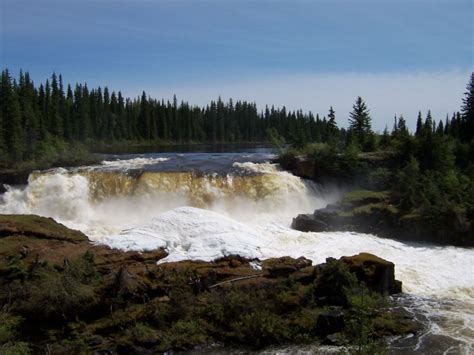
(375,212)
(371,212)
(63,294)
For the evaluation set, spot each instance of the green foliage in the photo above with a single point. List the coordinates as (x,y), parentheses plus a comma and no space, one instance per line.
(357,197)
(260,328)
(17,348)
(275,139)
(57,295)
(142,333)
(185,334)
(467,110)
(9,327)
(335,284)
(9,332)
(360,325)
(360,127)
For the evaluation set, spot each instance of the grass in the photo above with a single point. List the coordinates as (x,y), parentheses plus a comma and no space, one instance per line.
(360,196)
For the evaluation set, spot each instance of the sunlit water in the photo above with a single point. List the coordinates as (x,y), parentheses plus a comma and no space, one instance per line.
(204,205)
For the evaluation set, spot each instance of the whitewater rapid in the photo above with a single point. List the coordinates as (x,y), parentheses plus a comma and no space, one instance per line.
(246,211)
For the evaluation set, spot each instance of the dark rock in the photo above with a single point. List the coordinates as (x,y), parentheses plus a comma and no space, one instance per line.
(305,167)
(378,274)
(282,267)
(330,323)
(305,275)
(308,223)
(301,166)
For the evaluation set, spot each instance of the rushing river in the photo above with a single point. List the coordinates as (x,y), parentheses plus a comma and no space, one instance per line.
(203,205)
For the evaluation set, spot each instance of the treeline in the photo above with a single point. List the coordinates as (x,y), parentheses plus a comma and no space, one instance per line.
(36,121)
(428,173)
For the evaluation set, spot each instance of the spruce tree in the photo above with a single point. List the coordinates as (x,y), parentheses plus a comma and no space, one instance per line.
(467,111)
(402,128)
(360,123)
(419,125)
(11,117)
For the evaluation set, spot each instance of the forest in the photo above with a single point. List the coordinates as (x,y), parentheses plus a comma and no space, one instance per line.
(41,122)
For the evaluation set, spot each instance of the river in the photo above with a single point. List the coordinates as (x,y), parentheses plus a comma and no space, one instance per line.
(202,205)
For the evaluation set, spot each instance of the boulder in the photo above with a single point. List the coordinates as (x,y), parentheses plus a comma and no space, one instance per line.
(285,266)
(378,274)
(308,223)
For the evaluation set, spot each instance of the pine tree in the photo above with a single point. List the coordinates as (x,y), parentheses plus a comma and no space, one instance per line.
(402,128)
(144,118)
(467,111)
(428,126)
(55,119)
(11,117)
(29,122)
(419,125)
(385,140)
(360,123)
(440,128)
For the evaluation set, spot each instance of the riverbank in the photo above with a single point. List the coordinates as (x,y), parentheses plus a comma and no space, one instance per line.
(89,298)
(370,205)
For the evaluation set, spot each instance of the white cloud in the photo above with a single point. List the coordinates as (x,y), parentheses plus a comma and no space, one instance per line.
(386,94)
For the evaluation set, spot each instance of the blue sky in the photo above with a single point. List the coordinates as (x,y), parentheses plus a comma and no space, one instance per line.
(401,56)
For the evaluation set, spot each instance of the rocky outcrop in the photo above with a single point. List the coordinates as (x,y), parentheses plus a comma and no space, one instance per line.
(300,165)
(372,212)
(377,274)
(108,301)
(13,177)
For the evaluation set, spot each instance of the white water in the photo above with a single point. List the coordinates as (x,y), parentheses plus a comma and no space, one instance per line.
(255,224)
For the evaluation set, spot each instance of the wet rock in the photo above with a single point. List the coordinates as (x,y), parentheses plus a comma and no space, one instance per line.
(305,167)
(308,223)
(378,274)
(282,267)
(301,166)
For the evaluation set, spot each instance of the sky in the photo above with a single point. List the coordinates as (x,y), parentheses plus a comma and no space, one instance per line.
(401,56)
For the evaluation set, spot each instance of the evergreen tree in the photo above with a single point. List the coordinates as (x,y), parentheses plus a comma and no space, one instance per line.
(428,126)
(419,125)
(332,125)
(385,139)
(440,128)
(402,127)
(11,117)
(144,118)
(360,123)
(467,111)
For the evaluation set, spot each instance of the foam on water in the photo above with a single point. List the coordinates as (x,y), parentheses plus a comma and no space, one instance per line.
(192,233)
(133,163)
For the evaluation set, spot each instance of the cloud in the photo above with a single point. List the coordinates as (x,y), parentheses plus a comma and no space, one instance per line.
(386,94)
